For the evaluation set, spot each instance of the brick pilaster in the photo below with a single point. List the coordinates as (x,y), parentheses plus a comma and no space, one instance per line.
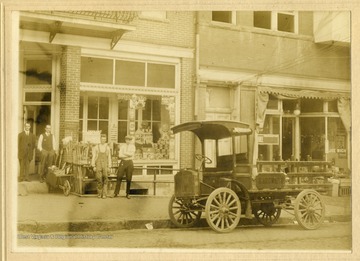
(70,92)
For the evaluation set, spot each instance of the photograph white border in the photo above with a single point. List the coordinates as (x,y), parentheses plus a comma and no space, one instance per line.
(10,108)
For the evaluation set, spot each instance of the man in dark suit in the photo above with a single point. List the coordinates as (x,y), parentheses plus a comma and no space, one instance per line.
(26,146)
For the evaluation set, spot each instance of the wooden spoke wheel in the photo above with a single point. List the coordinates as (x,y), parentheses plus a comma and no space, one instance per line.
(223,210)
(309,209)
(66,188)
(267,214)
(182,213)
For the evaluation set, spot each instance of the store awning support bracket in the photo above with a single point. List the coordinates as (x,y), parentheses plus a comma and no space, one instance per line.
(116,38)
(54,29)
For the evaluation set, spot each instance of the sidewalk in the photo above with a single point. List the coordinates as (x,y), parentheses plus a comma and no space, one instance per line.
(44,212)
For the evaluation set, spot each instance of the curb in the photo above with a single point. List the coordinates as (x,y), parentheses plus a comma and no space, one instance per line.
(93,225)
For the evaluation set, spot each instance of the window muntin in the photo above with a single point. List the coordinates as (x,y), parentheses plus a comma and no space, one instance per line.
(38,72)
(96,70)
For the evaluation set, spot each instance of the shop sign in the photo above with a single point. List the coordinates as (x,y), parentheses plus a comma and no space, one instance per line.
(268,139)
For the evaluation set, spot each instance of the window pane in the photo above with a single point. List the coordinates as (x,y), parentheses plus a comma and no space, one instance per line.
(337,149)
(81,109)
(146,113)
(218,97)
(122,109)
(262,19)
(332,106)
(221,16)
(130,73)
(104,127)
(92,125)
(312,138)
(122,131)
(289,106)
(93,107)
(273,103)
(96,70)
(311,105)
(104,108)
(160,75)
(156,110)
(38,96)
(225,146)
(286,23)
(38,72)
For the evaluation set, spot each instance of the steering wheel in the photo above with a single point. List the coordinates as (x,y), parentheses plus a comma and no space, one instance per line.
(203,158)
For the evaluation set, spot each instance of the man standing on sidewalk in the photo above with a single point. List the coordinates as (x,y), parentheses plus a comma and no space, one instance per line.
(126,155)
(46,146)
(101,162)
(26,146)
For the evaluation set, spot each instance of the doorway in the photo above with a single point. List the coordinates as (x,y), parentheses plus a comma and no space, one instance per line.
(38,116)
(288,138)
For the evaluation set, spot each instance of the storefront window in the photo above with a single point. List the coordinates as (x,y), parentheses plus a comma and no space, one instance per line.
(312,138)
(98,114)
(337,149)
(152,128)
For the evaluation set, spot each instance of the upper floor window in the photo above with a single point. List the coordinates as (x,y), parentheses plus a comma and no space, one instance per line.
(38,72)
(286,21)
(224,17)
(131,73)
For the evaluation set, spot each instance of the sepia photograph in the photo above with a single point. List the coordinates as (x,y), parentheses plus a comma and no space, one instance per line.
(145,132)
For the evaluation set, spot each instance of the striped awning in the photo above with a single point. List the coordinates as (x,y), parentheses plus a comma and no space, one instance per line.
(298,93)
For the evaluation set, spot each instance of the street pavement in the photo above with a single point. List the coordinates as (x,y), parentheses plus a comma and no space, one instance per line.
(41,212)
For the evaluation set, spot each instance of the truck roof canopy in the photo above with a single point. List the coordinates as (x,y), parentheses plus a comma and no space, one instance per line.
(214,129)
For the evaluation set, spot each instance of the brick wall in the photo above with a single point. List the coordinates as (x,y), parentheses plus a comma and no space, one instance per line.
(177,29)
(70,92)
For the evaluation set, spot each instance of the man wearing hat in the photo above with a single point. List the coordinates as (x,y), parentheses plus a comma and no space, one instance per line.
(126,155)
(101,162)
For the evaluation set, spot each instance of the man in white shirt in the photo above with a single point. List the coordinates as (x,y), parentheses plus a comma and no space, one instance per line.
(46,146)
(126,155)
